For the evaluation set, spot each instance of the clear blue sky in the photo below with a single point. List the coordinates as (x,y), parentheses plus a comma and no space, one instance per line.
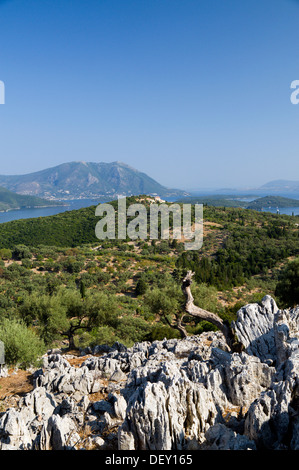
(196,93)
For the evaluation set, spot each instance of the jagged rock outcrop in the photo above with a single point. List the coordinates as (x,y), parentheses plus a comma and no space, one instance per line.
(254,328)
(190,394)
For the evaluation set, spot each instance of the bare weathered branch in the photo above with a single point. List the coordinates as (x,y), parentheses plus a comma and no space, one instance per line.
(177,326)
(211,317)
(195,311)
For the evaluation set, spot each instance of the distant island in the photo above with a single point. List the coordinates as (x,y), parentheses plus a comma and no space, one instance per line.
(260,203)
(12,201)
(272,201)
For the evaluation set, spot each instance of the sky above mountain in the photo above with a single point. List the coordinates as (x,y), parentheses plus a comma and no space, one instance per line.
(195,93)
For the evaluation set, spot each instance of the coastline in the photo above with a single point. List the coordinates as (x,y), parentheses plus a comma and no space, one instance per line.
(4,211)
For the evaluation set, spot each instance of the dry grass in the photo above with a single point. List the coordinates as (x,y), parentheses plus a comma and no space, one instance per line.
(233,410)
(19,382)
(12,387)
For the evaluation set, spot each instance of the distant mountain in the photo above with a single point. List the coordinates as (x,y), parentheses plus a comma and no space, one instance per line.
(10,201)
(87,180)
(281,185)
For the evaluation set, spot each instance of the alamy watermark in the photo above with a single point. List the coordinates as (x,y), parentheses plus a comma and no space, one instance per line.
(295,95)
(2,92)
(152,224)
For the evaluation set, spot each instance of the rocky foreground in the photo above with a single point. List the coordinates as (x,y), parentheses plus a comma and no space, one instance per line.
(191,394)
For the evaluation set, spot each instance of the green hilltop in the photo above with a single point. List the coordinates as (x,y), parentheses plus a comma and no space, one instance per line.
(272,201)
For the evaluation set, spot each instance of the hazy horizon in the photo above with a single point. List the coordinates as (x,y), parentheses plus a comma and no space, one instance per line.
(190,189)
(196,94)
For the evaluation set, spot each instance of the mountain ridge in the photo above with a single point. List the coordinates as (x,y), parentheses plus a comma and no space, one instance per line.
(80,179)
(281,185)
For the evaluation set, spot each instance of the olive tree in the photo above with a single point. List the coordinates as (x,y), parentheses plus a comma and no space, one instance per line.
(66,313)
(287,288)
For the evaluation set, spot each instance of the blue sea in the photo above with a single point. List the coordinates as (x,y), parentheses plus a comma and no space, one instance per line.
(247,197)
(80,203)
(45,211)
(286,210)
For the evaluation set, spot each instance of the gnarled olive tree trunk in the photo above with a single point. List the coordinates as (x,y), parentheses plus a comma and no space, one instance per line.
(211,317)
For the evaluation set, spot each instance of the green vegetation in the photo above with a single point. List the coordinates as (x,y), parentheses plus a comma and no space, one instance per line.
(287,289)
(242,201)
(252,244)
(273,201)
(10,200)
(59,230)
(22,345)
(60,286)
(222,200)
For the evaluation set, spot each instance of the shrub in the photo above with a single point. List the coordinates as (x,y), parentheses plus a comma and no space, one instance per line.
(132,330)
(101,335)
(22,347)
(160,332)
(20,252)
(141,287)
(5,253)
(287,289)
(71,265)
(26,263)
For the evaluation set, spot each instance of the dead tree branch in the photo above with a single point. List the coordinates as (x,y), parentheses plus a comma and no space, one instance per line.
(211,317)
(178,325)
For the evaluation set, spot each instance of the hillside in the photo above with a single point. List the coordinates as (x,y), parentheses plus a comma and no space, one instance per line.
(239,201)
(242,255)
(238,244)
(114,307)
(87,180)
(272,201)
(222,200)
(10,200)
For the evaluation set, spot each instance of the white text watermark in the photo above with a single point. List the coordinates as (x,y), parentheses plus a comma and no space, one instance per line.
(295,95)
(2,92)
(149,224)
